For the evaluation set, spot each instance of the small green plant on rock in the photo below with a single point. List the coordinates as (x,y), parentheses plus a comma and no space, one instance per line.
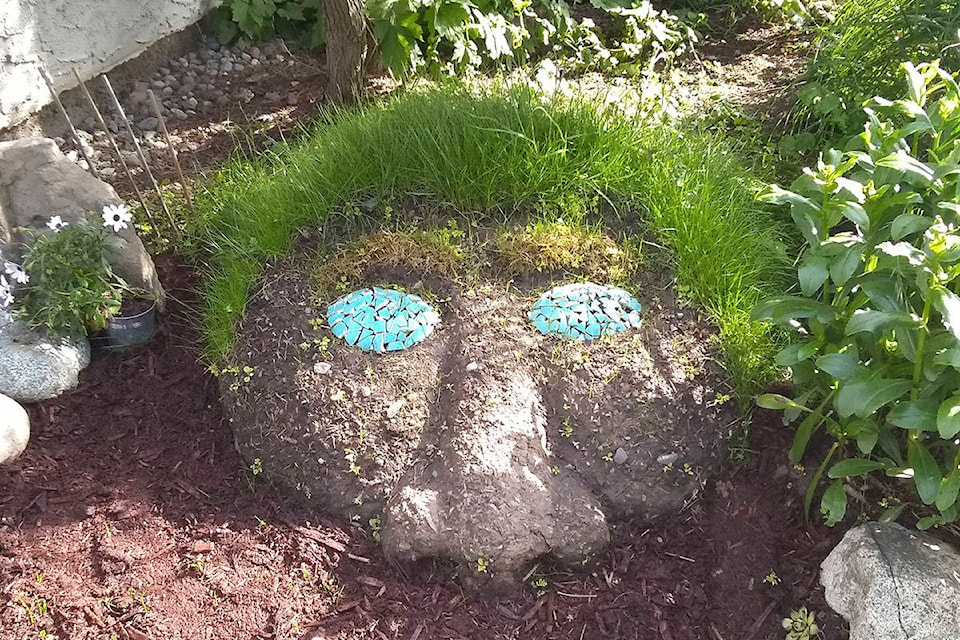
(800,625)
(875,354)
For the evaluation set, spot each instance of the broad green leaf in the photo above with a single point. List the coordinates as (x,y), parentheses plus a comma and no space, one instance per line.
(783,310)
(778,402)
(914,171)
(926,472)
(862,397)
(841,366)
(949,357)
(845,265)
(891,514)
(854,467)
(870,320)
(834,503)
(451,19)
(855,213)
(796,352)
(914,256)
(914,414)
(867,437)
(813,272)
(908,223)
(882,291)
(948,417)
(804,211)
(949,488)
(802,437)
(948,304)
(925,523)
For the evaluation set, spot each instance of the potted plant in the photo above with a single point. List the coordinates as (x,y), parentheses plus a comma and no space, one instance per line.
(66,285)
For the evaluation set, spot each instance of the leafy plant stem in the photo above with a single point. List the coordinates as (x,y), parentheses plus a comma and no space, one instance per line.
(921,342)
(815,480)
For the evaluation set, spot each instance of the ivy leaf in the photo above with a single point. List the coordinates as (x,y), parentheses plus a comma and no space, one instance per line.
(864,396)
(926,472)
(914,414)
(834,503)
(948,417)
(854,467)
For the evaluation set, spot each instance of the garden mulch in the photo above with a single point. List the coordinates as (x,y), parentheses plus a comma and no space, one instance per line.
(132,516)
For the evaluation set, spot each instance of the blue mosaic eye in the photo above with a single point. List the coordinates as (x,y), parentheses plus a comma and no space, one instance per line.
(585,311)
(381,319)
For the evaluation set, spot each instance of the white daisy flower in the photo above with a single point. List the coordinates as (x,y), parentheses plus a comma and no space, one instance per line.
(56,223)
(116,216)
(16,272)
(6,293)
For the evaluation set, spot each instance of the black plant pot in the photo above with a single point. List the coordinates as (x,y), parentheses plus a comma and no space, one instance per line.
(125,331)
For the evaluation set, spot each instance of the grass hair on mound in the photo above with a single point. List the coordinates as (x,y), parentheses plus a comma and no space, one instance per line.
(491,153)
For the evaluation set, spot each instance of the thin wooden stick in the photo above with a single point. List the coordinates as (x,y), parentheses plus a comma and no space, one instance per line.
(73,130)
(173,151)
(116,148)
(136,145)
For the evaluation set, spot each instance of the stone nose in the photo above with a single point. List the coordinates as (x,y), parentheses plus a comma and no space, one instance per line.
(490,496)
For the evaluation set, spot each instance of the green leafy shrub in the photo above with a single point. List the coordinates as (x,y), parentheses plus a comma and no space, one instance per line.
(858,56)
(256,20)
(876,349)
(449,36)
(72,287)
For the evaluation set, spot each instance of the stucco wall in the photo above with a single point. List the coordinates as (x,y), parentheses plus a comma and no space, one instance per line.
(92,35)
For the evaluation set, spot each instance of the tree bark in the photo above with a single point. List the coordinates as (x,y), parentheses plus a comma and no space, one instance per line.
(347,49)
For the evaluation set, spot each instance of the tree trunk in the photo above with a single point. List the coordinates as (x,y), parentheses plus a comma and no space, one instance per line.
(346,49)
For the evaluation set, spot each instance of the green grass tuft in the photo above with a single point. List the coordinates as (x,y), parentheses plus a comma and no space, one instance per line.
(492,154)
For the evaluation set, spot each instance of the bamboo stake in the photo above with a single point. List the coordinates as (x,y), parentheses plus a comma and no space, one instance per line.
(136,145)
(116,148)
(173,151)
(73,130)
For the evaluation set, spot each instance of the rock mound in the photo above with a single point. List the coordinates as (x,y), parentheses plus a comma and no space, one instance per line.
(488,444)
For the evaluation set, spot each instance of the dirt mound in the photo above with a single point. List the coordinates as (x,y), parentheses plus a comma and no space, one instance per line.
(489,444)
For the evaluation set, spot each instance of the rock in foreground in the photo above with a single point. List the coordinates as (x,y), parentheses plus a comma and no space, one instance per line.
(14,430)
(891,583)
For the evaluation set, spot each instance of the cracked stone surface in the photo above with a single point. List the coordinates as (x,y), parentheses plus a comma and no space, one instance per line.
(488,439)
(891,583)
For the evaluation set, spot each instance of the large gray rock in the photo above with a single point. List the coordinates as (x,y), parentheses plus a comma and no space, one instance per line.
(34,367)
(37,182)
(14,429)
(894,584)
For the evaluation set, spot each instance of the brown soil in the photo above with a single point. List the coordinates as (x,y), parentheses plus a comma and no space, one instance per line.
(131,516)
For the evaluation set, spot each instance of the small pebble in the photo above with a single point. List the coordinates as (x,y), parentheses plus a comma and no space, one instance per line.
(473,366)
(322,368)
(395,407)
(620,456)
(667,458)
(148,124)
